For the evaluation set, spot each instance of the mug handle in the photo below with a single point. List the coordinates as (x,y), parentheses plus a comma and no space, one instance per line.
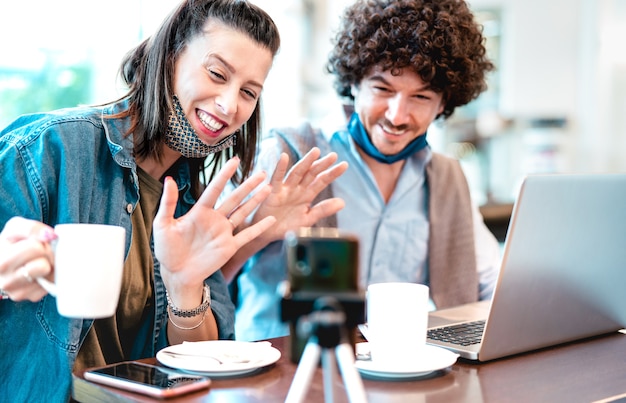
(47,285)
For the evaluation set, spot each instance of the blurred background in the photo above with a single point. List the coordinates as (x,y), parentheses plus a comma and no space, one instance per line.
(557,102)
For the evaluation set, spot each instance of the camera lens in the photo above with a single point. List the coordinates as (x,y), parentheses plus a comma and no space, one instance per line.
(303,268)
(324,269)
(300,252)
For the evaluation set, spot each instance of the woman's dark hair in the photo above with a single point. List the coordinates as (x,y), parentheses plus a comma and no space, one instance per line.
(438,39)
(149,68)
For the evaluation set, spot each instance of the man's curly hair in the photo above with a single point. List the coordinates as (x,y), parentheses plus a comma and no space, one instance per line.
(438,39)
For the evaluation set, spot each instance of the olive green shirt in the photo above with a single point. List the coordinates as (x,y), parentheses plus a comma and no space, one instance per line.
(111,339)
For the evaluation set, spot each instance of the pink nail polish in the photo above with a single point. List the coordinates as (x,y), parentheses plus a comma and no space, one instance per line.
(47,235)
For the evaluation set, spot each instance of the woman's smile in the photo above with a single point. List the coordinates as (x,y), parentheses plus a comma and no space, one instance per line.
(212,125)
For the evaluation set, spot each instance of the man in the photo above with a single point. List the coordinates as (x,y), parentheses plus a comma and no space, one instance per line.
(402,64)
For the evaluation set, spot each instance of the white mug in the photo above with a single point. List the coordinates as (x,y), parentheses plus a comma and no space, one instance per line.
(397,321)
(88,268)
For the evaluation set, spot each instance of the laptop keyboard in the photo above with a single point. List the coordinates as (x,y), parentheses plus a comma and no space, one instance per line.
(464,334)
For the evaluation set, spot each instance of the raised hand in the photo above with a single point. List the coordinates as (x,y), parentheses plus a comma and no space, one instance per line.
(194,246)
(293,192)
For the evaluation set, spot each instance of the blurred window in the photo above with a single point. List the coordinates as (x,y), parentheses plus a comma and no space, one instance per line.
(67,52)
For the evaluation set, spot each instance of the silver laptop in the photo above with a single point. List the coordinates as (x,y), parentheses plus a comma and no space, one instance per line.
(563,273)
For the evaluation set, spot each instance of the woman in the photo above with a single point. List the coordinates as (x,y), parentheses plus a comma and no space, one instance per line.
(140,162)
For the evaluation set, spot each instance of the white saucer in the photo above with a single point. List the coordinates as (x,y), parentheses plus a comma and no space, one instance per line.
(237,357)
(433,359)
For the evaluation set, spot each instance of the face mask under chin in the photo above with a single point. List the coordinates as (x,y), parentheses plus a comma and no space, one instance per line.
(181,137)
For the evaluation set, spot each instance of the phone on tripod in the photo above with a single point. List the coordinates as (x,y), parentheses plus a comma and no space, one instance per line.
(323,306)
(321,262)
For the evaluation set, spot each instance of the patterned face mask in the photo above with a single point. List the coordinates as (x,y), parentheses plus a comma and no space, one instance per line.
(181,137)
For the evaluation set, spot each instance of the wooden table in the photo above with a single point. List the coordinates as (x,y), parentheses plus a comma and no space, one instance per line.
(584,371)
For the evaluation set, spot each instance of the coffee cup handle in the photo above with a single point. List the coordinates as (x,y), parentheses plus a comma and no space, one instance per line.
(48,286)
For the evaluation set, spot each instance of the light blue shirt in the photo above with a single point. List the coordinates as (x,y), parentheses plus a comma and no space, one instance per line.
(393,237)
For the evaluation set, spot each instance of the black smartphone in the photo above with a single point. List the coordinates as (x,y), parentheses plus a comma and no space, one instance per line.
(321,262)
(147,379)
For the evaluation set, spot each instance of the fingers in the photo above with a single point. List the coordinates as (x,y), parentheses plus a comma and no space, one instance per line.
(18,228)
(218,183)
(35,268)
(16,254)
(25,254)
(234,200)
(302,167)
(325,208)
(323,163)
(279,173)
(318,167)
(18,280)
(253,231)
(320,172)
(325,178)
(237,216)
(22,286)
(167,205)
(28,291)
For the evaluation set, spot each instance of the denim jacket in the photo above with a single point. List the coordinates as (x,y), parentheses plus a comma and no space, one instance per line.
(73,165)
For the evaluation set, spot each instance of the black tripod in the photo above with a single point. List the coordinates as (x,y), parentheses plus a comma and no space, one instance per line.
(325,328)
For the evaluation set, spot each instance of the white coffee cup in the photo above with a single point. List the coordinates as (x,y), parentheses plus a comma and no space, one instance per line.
(397,320)
(88,267)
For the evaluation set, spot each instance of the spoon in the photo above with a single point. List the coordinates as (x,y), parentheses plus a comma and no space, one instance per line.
(225,359)
(229,360)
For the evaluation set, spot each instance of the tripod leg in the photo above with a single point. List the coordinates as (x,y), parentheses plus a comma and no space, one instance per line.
(328,366)
(351,378)
(304,373)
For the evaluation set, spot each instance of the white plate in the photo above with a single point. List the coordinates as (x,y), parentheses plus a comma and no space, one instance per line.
(237,357)
(434,359)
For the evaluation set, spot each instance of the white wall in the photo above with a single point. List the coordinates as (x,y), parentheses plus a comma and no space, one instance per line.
(567,57)
(603,86)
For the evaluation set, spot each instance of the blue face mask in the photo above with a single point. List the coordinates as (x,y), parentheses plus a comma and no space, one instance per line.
(358,133)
